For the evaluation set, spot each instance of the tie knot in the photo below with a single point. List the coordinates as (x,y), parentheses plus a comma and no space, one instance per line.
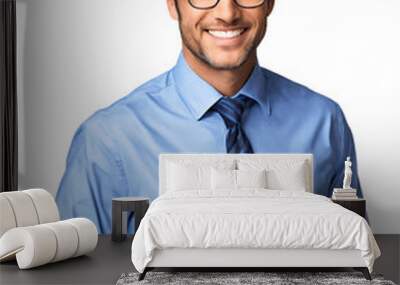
(231,110)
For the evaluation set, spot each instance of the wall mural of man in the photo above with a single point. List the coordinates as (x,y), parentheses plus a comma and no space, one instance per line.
(216,99)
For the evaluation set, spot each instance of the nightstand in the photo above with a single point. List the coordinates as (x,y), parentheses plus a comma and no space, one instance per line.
(356,205)
(120,209)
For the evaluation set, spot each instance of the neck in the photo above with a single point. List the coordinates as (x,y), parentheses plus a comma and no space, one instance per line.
(226,82)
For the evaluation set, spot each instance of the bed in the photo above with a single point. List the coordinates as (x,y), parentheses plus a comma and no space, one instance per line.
(246,211)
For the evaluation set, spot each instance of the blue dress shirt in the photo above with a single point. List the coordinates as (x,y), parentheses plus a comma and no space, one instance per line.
(115,152)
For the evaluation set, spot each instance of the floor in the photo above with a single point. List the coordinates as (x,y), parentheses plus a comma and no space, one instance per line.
(389,262)
(110,260)
(102,266)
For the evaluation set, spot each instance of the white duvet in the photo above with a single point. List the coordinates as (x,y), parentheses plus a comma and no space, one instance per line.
(251,218)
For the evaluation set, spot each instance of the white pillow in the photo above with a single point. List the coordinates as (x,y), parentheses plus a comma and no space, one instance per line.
(196,175)
(183,178)
(251,178)
(223,179)
(237,179)
(282,174)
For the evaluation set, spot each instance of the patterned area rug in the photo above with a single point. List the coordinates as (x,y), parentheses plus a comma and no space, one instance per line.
(244,278)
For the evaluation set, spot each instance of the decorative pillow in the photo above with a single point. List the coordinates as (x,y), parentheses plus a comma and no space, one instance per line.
(237,179)
(251,178)
(186,175)
(281,174)
(223,179)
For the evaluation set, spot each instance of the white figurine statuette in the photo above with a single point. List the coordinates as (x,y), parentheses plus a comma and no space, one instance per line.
(347,174)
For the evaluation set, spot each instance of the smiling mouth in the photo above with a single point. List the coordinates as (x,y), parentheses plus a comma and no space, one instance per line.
(226,34)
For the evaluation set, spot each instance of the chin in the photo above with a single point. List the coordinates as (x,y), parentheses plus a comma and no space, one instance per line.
(226,61)
(226,66)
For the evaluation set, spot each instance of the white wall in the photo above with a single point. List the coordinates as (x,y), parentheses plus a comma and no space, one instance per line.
(75,56)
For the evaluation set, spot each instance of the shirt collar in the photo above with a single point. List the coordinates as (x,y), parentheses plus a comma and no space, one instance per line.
(199,96)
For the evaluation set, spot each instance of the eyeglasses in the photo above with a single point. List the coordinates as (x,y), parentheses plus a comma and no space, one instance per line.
(209,4)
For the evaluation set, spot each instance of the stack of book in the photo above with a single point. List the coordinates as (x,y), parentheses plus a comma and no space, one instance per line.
(341,194)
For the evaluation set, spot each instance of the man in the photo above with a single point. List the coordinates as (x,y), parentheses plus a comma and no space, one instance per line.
(217,99)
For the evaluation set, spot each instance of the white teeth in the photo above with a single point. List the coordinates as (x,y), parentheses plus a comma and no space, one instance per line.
(226,34)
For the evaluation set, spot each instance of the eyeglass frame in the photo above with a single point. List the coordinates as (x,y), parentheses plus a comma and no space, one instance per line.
(217,2)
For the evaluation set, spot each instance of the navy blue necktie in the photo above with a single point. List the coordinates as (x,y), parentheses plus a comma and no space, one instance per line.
(231,111)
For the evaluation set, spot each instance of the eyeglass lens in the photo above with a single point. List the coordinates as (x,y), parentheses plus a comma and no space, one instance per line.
(207,4)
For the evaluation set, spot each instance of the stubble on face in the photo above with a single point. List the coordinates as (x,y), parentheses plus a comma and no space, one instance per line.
(206,55)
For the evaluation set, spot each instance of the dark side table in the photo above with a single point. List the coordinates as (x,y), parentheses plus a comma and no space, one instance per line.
(120,208)
(355,205)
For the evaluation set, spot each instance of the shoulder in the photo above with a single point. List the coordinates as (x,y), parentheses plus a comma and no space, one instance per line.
(150,91)
(101,128)
(286,91)
(129,107)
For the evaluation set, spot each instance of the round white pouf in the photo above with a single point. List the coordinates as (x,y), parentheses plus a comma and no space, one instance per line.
(67,239)
(40,244)
(33,246)
(45,206)
(23,208)
(7,218)
(87,233)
